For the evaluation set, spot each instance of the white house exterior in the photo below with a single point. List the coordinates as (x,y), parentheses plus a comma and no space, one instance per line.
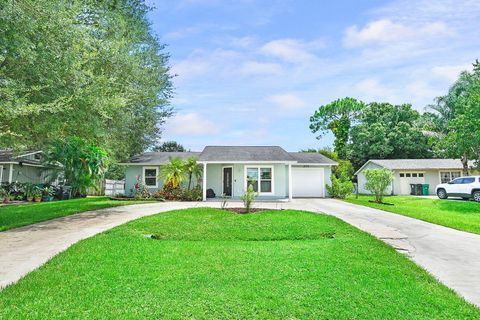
(275,173)
(413,171)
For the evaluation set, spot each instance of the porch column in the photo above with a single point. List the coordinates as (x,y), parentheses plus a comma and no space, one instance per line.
(290,181)
(10,173)
(204,181)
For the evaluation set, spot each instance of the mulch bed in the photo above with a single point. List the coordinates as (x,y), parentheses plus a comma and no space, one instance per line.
(384,203)
(243,211)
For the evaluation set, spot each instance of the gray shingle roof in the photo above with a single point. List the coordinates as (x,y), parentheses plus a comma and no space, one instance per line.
(311,157)
(245,153)
(234,153)
(410,164)
(160,157)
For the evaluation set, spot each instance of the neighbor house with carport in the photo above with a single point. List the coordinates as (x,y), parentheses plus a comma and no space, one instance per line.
(412,171)
(274,173)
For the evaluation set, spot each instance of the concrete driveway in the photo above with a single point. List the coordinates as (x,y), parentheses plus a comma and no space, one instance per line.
(451,256)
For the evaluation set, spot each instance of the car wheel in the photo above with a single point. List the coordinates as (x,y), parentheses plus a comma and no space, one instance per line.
(442,194)
(476,196)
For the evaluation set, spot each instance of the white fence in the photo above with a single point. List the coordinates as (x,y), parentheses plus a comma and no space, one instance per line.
(114,187)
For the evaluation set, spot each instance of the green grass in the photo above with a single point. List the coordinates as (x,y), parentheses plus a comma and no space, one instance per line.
(14,216)
(213,264)
(457,214)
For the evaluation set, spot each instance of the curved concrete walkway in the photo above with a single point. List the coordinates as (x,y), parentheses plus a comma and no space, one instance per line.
(451,256)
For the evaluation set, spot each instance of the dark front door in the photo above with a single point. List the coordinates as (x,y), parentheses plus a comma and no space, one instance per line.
(227,181)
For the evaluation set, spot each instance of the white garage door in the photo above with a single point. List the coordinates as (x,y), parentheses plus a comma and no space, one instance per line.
(407,178)
(308,182)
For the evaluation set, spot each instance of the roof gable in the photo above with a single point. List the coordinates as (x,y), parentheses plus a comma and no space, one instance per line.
(416,164)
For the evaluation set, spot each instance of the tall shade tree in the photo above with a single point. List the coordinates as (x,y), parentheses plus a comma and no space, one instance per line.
(91,69)
(337,117)
(169,146)
(386,131)
(192,169)
(83,164)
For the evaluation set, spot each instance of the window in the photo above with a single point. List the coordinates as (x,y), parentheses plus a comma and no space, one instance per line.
(447,176)
(402,175)
(261,178)
(468,180)
(420,175)
(150,177)
(408,175)
(414,175)
(457,181)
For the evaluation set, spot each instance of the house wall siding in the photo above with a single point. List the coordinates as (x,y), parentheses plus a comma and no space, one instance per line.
(361,179)
(24,173)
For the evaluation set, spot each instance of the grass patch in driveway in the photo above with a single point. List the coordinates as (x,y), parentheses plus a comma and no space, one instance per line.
(456,214)
(212,264)
(14,216)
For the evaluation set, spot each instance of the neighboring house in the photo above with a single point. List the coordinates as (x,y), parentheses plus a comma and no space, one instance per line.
(413,171)
(23,167)
(274,172)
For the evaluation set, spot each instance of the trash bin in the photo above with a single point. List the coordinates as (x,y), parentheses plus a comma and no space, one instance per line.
(418,189)
(413,189)
(425,189)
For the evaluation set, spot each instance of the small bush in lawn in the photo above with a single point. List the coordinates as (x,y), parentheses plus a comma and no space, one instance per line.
(248,198)
(140,191)
(341,187)
(377,182)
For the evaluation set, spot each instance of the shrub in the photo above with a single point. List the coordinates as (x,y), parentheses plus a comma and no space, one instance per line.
(377,182)
(194,194)
(249,197)
(140,191)
(340,188)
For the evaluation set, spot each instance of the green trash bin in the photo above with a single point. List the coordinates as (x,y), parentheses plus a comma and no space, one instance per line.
(425,189)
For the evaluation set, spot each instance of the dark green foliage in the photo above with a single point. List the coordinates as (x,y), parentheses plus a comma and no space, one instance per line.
(169,146)
(83,164)
(337,117)
(90,69)
(456,118)
(386,131)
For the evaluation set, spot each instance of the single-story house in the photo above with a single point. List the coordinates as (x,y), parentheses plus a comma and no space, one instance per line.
(274,172)
(413,171)
(24,167)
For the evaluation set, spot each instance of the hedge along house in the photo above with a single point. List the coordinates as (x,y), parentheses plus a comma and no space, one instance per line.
(412,171)
(24,167)
(273,172)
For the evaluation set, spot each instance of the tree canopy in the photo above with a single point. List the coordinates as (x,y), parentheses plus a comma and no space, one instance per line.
(386,131)
(91,69)
(336,116)
(170,146)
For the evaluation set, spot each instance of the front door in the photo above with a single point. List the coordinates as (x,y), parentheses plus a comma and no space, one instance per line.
(227,181)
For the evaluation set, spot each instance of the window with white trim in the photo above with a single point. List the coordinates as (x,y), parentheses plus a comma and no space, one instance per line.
(261,178)
(150,176)
(447,176)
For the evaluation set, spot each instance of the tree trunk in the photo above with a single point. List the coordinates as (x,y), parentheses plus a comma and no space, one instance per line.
(465,165)
(189,180)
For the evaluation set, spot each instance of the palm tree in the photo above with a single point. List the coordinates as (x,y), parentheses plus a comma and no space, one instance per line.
(192,169)
(174,173)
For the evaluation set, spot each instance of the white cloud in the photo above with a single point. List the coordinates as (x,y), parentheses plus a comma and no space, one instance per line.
(450,72)
(385,31)
(291,50)
(191,124)
(287,101)
(372,89)
(260,68)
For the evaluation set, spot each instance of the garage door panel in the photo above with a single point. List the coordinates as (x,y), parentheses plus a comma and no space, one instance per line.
(308,182)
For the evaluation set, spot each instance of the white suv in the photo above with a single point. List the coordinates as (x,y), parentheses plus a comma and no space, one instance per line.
(463,187)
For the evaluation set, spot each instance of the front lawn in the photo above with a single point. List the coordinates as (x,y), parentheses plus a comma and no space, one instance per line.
(213,264)
(456,214)
(14,216)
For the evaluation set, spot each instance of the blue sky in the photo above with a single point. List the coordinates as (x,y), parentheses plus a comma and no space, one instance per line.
(252,72)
